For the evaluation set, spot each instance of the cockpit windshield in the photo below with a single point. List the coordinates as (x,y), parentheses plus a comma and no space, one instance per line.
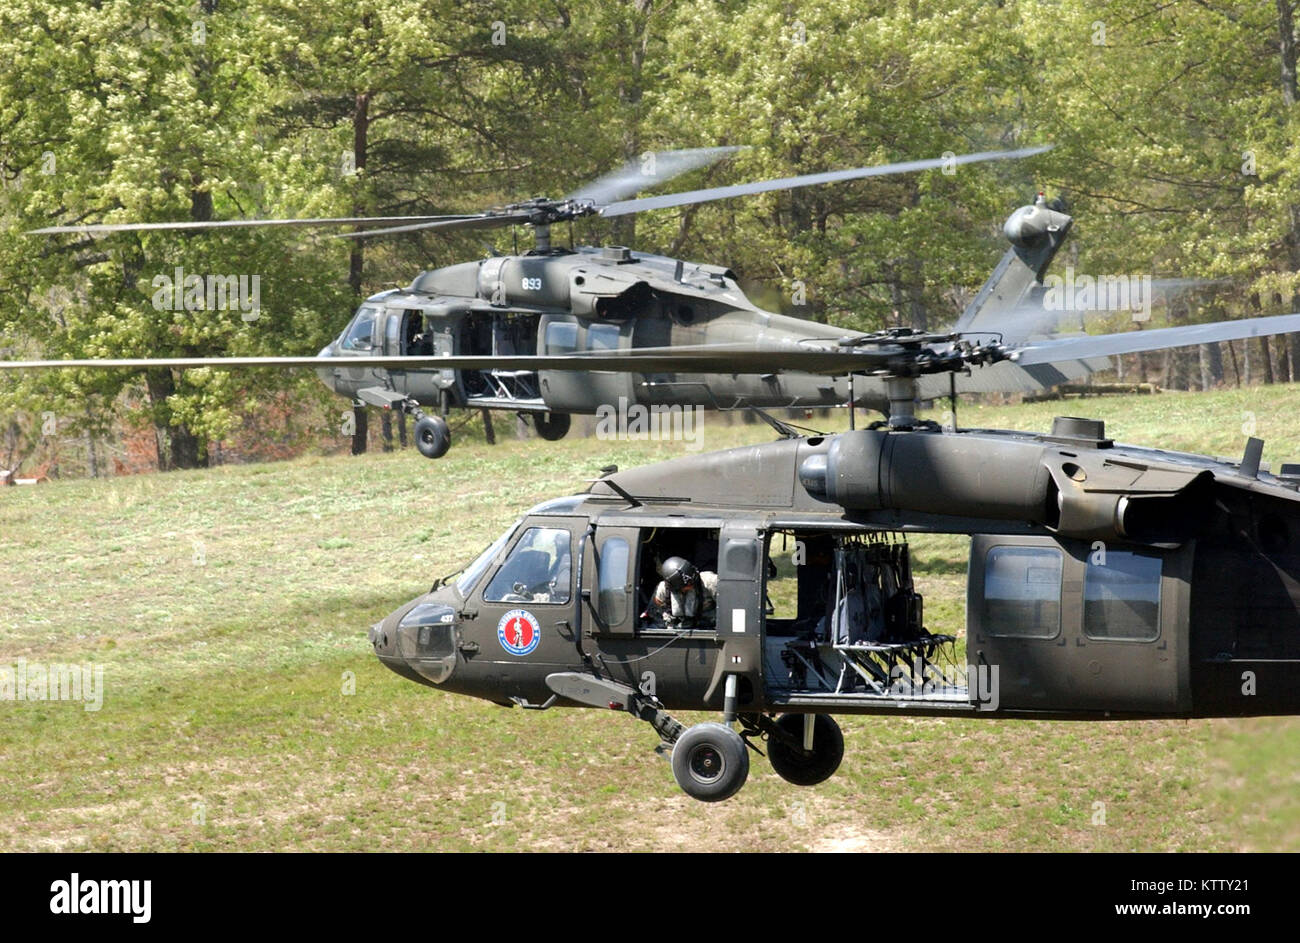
(360,335)
(465,584)
(470,575)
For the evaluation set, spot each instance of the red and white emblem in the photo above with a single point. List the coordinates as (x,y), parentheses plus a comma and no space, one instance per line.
(519,632)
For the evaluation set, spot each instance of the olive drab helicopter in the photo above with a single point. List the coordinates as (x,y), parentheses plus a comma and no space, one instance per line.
(1105,581)
(553,301)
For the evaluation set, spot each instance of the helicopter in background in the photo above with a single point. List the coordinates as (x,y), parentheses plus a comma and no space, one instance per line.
(553,302)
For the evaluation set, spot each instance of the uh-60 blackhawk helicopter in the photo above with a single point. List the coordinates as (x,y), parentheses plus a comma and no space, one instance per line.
(1105,581)
(553,301)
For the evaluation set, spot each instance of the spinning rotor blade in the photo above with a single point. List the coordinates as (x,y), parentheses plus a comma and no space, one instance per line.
(657,168)
(238,224)
(632,177)
(807,180)
(593,197)
(485,221)
(1128,342)
(1034,317)
(707,358)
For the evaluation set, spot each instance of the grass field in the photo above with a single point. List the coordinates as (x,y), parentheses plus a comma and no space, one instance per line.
(243,709)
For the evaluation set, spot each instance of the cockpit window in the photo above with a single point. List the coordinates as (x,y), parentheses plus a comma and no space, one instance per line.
(361,334)
(537,570)
(465,585)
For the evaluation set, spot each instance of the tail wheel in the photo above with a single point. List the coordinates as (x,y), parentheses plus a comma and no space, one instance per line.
(551,426)
(806,767)
(710,762)
(432,436)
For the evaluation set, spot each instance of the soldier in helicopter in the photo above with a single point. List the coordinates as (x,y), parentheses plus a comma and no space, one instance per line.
(685,597)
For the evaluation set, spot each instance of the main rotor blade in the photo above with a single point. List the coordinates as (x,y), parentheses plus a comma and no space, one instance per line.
(239,224)
(807,180)
(652,170)
(483,221)
(1128,342)
(1035,317)
(705,358)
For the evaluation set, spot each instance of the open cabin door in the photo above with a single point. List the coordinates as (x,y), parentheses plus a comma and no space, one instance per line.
(609,571)
(741,558)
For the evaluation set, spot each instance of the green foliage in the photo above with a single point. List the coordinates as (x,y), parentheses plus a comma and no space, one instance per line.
(1174,140)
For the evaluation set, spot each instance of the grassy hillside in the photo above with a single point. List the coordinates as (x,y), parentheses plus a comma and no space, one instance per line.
(229,609)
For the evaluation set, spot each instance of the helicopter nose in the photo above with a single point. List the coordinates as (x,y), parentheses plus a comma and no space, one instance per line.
(418,641)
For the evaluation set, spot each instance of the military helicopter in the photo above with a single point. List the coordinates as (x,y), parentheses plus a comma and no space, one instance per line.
(553,301)
(1106,581)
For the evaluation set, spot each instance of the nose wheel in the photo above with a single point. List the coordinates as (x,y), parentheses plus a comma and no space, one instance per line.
(710,762)
(432,435)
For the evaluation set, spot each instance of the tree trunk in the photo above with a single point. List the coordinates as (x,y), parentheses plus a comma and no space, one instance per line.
(184,450)
(917,312)
(92,452)
(631,90)
(360,138)
(1290,94)
(1216,363)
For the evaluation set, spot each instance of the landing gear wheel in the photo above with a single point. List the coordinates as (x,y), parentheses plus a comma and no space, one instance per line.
(710,762)
(806,769)
(432,437)
(551,426)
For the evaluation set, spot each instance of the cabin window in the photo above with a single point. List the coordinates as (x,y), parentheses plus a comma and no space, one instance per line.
(785,554)
(611,603)
(1121,596)
(360,335)
(1022,592)
(561,337)
(602,337)
(537,570)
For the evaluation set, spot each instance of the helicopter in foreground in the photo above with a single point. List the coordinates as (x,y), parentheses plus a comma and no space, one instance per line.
(553,301)
(1105,581)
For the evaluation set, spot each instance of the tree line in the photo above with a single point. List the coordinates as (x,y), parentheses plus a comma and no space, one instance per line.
(1173,125)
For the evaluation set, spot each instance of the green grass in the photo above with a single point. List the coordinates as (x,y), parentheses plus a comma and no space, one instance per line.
(229,609)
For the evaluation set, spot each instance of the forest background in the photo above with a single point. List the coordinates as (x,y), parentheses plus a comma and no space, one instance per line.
(1173,125)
